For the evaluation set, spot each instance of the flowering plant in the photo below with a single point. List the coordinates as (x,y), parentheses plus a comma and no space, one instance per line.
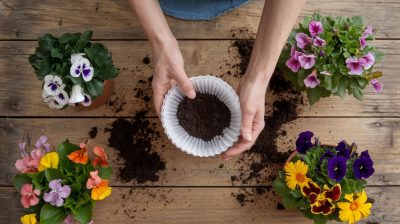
(61,185)
(326,182)
(327,56)
(73,69)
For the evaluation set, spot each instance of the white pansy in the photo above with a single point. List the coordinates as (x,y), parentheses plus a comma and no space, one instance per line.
(54,102)
(76,57)
(81,67)
(76,94)
(53,84)
(88,101)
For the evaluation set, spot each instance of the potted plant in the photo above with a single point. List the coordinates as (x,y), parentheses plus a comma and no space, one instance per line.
(73,70)
(326,182)
(61,185)
(331,56)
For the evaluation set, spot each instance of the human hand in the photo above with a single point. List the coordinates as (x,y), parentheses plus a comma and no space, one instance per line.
(168,70)
(252,103)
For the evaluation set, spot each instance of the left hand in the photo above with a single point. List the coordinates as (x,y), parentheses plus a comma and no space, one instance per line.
(252,103)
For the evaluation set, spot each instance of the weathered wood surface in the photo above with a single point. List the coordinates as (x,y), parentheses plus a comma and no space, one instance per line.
(200,205)
(20,92)
(379,135)
(115,20)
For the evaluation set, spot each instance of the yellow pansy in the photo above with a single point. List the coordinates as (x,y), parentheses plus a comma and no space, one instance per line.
(355,209)
(50,160)
(29,219)
(101,191)
(296,174)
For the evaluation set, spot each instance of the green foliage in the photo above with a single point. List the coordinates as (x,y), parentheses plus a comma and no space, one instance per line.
(52,215)
(342,41)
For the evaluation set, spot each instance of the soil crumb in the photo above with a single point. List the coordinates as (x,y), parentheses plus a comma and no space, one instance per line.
(93,132)
(203,117)
(132,139)
(146,60)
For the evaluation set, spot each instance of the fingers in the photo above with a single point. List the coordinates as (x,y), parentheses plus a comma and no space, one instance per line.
(158,95)
(185,84)
(247,125)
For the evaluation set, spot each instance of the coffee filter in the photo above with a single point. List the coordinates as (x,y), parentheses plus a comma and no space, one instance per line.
(193,145)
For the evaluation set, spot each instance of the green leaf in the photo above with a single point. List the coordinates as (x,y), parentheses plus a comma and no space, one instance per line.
(105,172)
(358,93)
(341,90)
(55,53)
(76,187)
(357,21)
(82,179)
(84,40)
(84,213)
(95,87)
(52,215)
(280,187)
(64,149)
(21,179)
(53,174)
(296,193)
(313,95)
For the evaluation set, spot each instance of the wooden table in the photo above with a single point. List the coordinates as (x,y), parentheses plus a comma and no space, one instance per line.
(191,190)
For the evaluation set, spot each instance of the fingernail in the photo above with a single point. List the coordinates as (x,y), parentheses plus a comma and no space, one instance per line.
(248,137)
(191,94)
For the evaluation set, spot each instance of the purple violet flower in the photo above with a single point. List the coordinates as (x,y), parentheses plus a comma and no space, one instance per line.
(343,150)
(363,43)
(302,40)
(355,65)
(293,63)
(303,142)
(315,28)
(57,194)
(337,168)
(377,86)
(307,61)
(319,42)
(368,31)
(42,142)
(312,80)
(369,60)
(363,166)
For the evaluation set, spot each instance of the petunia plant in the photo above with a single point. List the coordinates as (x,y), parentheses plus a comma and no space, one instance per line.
(326,182)
(72,68)
(62,185)
(331,56)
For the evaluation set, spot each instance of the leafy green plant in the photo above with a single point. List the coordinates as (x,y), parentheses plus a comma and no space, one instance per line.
(72,68)
(331,56)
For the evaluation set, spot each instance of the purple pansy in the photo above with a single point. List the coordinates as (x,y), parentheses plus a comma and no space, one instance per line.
(377,86)
(312,80)
(363,166)
(319,42)
(52,85)
(355,65)
(315,28)
(369,60)
(81,67)
(328,154)
(303,142)
(42,143)
(57,194)
(302,40)
(343,150)
(307,61)
(337,168)
(293,63)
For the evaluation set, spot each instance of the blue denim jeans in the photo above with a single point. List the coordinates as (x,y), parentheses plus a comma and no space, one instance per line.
(199,9)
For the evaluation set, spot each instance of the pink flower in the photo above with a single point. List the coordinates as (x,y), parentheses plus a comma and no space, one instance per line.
(368,31)
(307,61)
(302,40)
(355,65)
(293,62)
(29,196)
(69,219)
(315,28)
(369,60)
(377,86)
(312,80)
(363,43)
(319,42)
(94,180)
(29,164)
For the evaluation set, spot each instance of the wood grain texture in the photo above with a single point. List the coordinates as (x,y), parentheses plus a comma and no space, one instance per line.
(379,135)
(201,205)
(115,20)
(20,92)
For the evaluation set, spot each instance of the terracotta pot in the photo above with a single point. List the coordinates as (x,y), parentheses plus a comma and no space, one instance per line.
(102,99)
(295,153)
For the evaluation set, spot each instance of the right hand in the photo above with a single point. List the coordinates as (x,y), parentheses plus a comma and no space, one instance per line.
(168,70)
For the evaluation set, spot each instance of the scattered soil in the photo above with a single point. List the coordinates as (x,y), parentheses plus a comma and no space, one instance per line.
(279,206)
(117,102)
(203,117)
(93,132)
(143,90)
(244,49)
(146,60)
(132,139)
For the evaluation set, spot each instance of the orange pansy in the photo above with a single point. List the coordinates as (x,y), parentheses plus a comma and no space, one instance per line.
(80,155)
(100,157)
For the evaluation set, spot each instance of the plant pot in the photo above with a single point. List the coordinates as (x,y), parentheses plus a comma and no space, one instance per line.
(101,99)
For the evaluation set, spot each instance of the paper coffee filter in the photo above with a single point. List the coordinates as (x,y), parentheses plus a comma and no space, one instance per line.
(196,146)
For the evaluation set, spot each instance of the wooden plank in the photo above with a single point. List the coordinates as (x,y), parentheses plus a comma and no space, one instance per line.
(20,94)
(115,20)
(201,205)
(379,135)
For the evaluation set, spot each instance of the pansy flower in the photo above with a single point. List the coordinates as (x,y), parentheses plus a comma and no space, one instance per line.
(80,155)
(56,101)
(28,163)
(377,85)
(307,61)
(312,81)
(49,160)
(302,40)
(369,60)
(293,63)
(343,150)
(303,142)
(53,85)
(100,157)
(81,67)
(315,28)
(42,143)
(87,101)
(319,42)
(76,94)
(355,65)
(100,188)
(57,194)
(363,166)
(322,200)
(29,196)
(29,219)
(337,168)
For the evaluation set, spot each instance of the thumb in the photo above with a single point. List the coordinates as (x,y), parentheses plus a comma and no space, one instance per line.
(247,126)
(185,85)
